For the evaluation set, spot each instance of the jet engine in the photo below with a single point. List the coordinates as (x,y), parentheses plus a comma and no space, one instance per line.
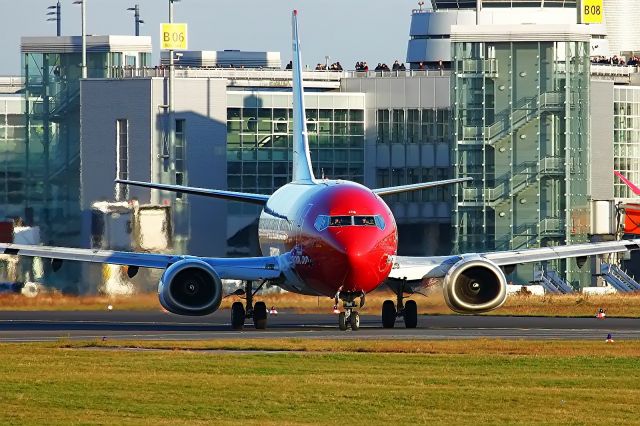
(475,285)
(190,287)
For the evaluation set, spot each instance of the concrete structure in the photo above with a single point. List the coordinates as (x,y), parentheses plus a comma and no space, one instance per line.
(623,31)
(430,33)
(137,130)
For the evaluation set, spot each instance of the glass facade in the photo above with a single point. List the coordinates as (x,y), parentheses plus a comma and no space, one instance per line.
(50,165)
(521,127)
(259,145)
(410,126)
(12,157)
(626,138)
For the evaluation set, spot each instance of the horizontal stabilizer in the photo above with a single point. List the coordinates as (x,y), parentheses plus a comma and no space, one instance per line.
(417,186)
(244,197)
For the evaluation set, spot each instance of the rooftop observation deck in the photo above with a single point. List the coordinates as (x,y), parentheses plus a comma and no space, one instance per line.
(11,84)
(244,77)
(620,74)
(327,80)
(471,4)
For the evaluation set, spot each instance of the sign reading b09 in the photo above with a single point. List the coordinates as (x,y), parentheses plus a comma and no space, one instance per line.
(591,11)
(173,37)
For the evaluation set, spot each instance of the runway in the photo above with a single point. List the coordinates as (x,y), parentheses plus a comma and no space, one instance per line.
(19,326)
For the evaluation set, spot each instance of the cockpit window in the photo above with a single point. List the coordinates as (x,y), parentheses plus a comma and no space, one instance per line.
(340,221)
(364,221)
(323,221)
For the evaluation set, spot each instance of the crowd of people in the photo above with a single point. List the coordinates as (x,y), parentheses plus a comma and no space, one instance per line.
(333,67)
(364,66)
(616,60)
(397,66)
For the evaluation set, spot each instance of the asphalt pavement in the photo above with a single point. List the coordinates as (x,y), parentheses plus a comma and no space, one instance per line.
(21,326)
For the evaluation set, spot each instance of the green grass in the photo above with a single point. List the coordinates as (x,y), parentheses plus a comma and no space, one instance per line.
(486,381)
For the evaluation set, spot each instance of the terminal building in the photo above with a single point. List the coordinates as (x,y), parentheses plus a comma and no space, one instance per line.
(505,94)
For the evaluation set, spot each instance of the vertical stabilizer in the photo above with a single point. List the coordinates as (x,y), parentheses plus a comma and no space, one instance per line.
(302,170)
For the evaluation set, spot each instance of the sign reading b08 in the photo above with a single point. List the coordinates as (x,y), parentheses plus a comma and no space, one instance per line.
(591,11)
(173,37)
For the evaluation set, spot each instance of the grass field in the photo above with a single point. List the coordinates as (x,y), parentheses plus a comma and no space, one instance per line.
(393,382)
(623,305)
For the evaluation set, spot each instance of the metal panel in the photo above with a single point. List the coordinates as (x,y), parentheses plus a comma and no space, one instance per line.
(428,93)
(396,92)
(601,113)
(442,92)
(398,159)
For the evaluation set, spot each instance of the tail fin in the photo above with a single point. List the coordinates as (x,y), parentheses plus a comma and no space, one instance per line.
(627,182)
(302,170)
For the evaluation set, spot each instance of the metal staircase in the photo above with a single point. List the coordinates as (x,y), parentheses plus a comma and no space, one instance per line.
(552,282)
(619,279)
(523,115)
(509,185)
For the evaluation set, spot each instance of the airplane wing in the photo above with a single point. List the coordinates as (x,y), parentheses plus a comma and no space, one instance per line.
(244,197)
(420,268)
(417,186)
(248,268)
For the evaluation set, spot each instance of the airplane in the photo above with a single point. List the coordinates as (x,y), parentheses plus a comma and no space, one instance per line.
(627,182)
(322,237)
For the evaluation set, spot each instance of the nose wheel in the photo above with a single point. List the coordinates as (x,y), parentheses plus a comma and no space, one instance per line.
(349,318)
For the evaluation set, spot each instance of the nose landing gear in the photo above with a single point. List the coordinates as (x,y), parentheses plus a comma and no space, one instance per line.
(349,318)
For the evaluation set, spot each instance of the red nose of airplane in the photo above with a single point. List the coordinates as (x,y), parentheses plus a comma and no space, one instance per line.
(366,260)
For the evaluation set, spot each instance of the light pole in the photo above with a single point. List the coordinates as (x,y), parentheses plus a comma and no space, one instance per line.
(171,105)
(55,11)
(83,10)
(136,14)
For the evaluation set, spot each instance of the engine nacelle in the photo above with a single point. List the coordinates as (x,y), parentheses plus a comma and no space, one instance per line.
(475,285)
(190,287)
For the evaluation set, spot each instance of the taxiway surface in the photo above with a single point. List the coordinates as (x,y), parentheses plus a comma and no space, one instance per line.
(19,326)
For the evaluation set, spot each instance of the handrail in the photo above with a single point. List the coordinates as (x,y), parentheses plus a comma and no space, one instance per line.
(12,81)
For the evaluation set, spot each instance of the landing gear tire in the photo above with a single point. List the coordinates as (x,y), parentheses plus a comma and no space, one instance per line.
(260,316)
(342,321)
(411,314)
(237,316)
(354,321)
(388,314)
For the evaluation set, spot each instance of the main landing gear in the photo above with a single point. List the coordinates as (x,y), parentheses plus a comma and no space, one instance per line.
(349,318)
(408,311)
(258,311)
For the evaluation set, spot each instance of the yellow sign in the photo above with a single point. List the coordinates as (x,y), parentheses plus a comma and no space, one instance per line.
(173,37)
(591,11)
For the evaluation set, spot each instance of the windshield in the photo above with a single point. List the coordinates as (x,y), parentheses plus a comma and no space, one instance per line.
(323,221)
